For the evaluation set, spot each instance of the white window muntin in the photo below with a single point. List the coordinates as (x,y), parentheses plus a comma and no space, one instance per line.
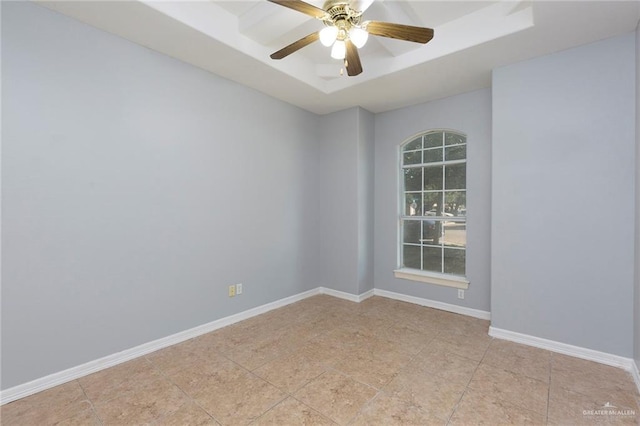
(442,191)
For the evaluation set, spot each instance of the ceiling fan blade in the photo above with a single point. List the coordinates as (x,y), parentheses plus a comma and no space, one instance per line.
(399,31)
(296,45)
(354,67)
(303,7)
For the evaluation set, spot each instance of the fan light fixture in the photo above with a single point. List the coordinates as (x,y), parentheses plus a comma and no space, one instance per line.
(358,36)
(328,35)
(345,30)
(331,35)
(339,50)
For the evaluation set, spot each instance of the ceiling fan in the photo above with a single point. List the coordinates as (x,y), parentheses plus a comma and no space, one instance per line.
(345,30)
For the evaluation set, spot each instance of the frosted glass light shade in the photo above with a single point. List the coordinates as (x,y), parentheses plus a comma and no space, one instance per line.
(338,50)
(358,36)
(328,35)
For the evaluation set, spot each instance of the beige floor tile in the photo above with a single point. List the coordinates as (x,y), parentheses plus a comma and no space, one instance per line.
(261,349)
(472,347)
(277,319)
(336,396)
(448,322)
(364,366)
(390,410)
(292,412)
(113,382)
(47,407)
(239,401)
(476,409)
(586,376)
(224,339)
(452,367)
(421,317)
(240,334)
(378,318)
(523,391)
(402,310)
(435,395)
(327,322)
(198,377)
(174,358)
(567,407)
(189,414)
(291,372)
(345,340)
(324,360)
(84,418)
(269,322)
(605,394)
(256,353)
(350,336)
(623,399)
(523,351)
(521,359)
(408,337)
(473,327)
(321,350)
(296,335)
(142,405)
(303,330)
(374,322)
(388,351)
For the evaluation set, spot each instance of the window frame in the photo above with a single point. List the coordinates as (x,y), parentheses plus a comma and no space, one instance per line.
(419,275)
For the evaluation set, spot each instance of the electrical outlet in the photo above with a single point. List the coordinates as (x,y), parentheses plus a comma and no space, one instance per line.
(460,293)
(232,290)
(239,288)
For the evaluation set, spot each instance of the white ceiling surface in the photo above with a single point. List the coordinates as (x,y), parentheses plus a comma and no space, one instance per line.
(234,38)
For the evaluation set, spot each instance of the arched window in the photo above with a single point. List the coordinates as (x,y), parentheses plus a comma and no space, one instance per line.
(433,208)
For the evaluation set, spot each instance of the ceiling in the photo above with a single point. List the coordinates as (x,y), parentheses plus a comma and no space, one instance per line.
(234,38)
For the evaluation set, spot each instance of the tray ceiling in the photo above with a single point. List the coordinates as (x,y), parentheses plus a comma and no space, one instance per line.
(235,38)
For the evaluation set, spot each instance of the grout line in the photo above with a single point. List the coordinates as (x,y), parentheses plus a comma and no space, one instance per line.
(189,397)
(550,368)
(364,407)
(455,408)
(93,408)
(311,408)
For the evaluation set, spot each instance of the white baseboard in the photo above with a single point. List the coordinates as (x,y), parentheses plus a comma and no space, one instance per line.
(55,379)
(566,349)
(635,372)
(346,296)
(476,313)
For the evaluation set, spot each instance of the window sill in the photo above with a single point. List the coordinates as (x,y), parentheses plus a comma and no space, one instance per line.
(432,278)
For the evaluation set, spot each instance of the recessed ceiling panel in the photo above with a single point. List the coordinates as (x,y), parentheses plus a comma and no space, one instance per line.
(235,38)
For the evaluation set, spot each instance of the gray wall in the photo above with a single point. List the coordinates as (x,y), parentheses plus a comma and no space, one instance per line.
(563,196)
(636,308)
(469,113)
(135,189)
(365,199)
(346,200)
(338,201)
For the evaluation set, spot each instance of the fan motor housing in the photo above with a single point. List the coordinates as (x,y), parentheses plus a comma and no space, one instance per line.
(339,10)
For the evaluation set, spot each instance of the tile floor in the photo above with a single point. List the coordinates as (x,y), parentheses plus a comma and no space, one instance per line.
(328,361)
